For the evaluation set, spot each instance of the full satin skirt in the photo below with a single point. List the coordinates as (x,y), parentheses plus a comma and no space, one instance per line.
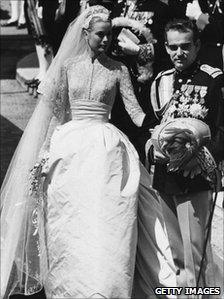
(95,188)
(91,224)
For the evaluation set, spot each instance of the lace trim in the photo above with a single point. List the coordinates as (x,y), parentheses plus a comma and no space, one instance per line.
(61,98)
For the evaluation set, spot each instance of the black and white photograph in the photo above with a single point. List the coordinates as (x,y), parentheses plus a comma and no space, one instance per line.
(112,149)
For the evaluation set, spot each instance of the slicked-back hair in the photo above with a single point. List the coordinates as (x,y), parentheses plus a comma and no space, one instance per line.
(183,25)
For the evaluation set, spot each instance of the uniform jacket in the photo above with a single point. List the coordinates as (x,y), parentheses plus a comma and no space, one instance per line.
(204,84)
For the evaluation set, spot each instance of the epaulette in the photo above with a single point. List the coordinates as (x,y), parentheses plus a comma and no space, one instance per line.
(165,73)
(212,71)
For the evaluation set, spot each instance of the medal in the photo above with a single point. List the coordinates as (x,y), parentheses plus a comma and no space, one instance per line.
(197,88)
(203,92)
(183,95)
(189,90)
(183,87)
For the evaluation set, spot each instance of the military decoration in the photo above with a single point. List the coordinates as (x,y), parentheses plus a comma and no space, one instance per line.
(188,101)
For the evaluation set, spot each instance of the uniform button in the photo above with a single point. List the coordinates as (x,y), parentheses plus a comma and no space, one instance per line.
(218,45)
(210,5)
(180,80)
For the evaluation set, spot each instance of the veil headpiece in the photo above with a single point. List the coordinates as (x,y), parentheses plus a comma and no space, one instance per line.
(23,250)
(73,45)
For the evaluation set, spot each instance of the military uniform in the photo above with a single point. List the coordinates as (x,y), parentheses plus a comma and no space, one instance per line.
(186,202)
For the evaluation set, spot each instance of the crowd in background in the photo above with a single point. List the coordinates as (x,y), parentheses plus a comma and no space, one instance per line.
(47,22)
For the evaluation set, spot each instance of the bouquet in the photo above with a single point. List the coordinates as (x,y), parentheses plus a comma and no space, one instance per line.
(179,140)
(37,175)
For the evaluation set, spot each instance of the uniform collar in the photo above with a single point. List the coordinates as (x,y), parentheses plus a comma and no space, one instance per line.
(189,72)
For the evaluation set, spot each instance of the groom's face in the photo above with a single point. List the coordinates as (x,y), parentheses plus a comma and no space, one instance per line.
(182,48)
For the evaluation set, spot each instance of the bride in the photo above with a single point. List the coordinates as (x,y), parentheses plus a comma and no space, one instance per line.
(71,194)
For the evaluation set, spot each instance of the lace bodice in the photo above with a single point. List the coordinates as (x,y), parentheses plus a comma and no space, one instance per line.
(98,81)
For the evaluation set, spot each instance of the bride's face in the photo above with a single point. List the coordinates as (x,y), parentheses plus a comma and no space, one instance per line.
(99,36)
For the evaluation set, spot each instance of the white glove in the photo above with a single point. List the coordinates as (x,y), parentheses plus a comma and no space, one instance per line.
(128,47)
(193,10)
(40,12)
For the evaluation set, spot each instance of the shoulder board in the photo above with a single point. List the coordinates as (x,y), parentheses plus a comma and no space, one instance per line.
(165,73)
(212,71)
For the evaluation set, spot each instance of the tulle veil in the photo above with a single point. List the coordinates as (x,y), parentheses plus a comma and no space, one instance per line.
(23,245)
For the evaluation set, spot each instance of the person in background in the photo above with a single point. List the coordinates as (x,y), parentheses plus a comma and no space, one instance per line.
(143,54)
(57,15)
(35,26)
(189,90)
(144,60)
(47,23)
(17,15)
(209,17)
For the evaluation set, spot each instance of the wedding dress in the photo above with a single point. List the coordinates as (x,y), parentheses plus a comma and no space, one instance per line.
(78,213)
(92,187)
(98,207)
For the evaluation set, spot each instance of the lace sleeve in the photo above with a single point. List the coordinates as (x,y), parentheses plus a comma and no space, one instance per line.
(56,93)
(127,92)
(58,99)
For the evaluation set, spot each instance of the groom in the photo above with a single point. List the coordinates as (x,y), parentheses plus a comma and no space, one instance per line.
(186,195)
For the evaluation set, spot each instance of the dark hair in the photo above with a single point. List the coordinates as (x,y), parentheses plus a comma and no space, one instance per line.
(182,25)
